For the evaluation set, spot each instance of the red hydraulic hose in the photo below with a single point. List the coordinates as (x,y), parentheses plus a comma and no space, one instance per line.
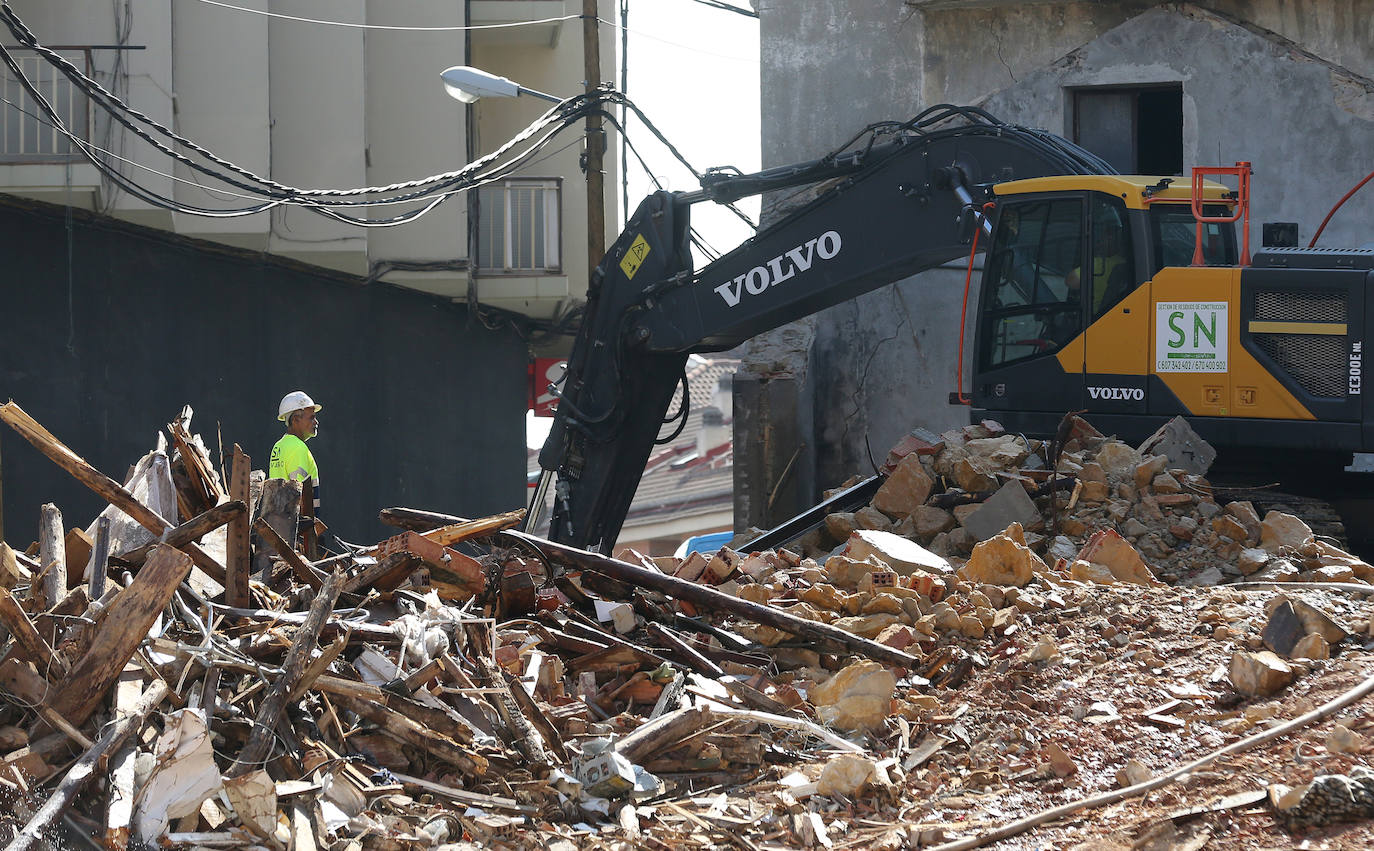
(1317,235)
(963,313)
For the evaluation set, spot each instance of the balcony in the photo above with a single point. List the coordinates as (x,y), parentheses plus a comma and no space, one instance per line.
(37,159)
(27,134)
(488,12)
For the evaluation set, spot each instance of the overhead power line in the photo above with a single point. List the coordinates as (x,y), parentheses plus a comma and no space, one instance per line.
(355,25)
(263,193)
(717,4)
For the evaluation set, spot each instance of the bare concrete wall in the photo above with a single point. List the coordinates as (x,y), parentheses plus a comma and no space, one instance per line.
(1341,32)
(1281,84)
(1307,126)
(971,52)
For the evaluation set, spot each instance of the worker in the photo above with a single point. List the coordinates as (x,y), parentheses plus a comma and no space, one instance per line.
(291,458)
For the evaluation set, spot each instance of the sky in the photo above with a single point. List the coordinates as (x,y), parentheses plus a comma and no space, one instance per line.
(694,72)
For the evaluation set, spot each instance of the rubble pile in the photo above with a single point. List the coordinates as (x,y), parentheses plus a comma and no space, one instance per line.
(952,491)
(985,641)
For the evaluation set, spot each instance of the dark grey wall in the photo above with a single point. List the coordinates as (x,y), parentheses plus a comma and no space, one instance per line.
(422,407)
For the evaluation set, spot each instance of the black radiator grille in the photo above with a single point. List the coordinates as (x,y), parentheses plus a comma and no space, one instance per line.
(1317,362)
(1294,306)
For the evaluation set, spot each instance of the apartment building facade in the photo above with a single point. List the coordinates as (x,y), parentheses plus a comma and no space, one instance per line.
(324,94)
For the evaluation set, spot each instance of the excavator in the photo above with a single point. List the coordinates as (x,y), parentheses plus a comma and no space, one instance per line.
(1127,297)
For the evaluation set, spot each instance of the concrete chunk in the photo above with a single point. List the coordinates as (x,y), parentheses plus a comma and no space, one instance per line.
(1011,504)
(906,489)
(903,556)
(1259,674)
(1118,460)
(856,698)
(1283,629)
(1183,446)
(1283,530)
(1108,549)
(1002,561)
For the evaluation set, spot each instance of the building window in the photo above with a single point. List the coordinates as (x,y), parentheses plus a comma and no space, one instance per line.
(518,227)
(1137,130)
(27,134)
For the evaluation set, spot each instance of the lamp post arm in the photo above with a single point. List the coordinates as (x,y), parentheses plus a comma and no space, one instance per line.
(541,95)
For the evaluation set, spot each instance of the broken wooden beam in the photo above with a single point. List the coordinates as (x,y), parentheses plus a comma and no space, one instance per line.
(30,642)
(452,534)
(11,573)
(463,796)
(662,732)
(51,584)
(299,566)
(125,625)
(526,736)
(683,652)
(190,531)
(307,515)
(360,630)
(709,598)
(264,735)
(100,557)
(401,728)
(416,520)
(429,717)
(385,574)
(279,503)
(529,707)
(110,490)
(37,828)
(238,552)
(317,667)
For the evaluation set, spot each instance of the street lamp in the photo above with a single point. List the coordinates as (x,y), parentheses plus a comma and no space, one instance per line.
(467,84)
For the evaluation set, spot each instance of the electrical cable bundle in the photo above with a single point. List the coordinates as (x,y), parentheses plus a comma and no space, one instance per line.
(264,193)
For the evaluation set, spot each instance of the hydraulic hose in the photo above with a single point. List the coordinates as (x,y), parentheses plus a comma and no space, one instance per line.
(1322,227)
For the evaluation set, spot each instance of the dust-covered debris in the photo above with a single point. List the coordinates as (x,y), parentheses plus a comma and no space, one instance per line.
(913,672)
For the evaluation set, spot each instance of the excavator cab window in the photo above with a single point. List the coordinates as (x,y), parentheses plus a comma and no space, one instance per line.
(1030,308)
(1173,230)
(1113,266)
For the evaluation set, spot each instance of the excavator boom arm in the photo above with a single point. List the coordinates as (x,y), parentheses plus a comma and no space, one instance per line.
(891,210)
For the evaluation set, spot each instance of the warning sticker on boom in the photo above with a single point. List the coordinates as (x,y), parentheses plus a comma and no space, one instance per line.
(634,258)
(1190,336)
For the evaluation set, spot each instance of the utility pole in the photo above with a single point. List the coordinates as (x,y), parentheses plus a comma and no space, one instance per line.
(596,140)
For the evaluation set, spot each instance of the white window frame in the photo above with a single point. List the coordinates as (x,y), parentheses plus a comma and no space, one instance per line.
(553,231)
(27,136)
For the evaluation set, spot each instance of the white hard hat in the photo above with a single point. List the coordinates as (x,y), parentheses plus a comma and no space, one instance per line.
(294,401)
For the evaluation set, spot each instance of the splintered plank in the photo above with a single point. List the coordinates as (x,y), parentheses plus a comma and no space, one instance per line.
(39,826)
(11,574)
(126,624)
(27,638)
(238,547)
(119,807)
(53,556)
(452,534)
(110,490)
(259,746)
(401,728)
(299,566)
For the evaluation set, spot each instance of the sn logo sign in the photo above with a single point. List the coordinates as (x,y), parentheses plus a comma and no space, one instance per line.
(1190,336)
